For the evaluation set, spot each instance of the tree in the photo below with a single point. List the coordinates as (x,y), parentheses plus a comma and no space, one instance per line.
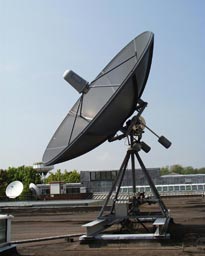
(68,177)
(181,170)
(202,170)
(3,182)
(177,169)
(74,177)
(164,170)
(189,170)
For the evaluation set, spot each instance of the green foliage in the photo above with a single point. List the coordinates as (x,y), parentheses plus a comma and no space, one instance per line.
(67,177)
(201,170)
(178,169)
(3,182)
(74,177)
(164,170)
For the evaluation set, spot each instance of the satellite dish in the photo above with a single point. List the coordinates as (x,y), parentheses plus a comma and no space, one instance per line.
(34,189)
(14,189)
(105,103)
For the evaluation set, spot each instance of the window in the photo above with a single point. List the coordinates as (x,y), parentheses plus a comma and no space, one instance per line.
(171,188)
(130,190)
(182,188)
(124,190)
(105,175)
(194,188)
(72,190)
(92,176)
(45,191)
(108,176)
(176,188)
(147,189)
(159,189)
(97,176)
(142,189)
(114,175)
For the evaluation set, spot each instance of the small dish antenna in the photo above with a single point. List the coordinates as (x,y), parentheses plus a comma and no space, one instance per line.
(34,189)
(14,189)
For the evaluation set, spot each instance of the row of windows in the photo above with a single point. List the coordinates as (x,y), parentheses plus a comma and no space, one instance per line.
(72,190)
(100,176)
(166,188)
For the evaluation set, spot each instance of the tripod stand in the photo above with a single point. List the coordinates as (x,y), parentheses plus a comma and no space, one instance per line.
(128,213)
(132,153)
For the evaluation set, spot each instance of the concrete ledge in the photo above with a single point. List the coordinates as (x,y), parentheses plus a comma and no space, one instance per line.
(95,226)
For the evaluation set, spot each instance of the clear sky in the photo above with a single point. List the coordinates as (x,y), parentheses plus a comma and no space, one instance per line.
(40,39)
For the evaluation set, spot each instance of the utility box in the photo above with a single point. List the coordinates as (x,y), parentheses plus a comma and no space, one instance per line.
(57,188)
(83,190)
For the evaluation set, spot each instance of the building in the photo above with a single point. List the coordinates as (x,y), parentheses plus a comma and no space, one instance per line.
(181,179)
(101,181)
(62,190)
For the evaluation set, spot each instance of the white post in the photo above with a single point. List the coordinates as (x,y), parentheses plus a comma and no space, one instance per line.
(5,232)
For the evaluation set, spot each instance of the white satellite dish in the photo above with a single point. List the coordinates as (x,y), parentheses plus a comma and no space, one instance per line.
(34,189)
(14,189)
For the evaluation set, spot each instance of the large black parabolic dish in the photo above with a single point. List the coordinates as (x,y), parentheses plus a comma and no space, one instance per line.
(110,100)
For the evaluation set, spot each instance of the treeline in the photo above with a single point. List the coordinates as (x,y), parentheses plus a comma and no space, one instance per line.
(27,175)
(178,169)
(67,177)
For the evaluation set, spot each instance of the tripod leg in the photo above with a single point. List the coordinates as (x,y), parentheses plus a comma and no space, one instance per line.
(133,173)
(118,178)
(152,186)
(124,166)
(133,166)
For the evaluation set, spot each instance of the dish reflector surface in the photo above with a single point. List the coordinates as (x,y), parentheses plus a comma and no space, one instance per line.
(14,189)
(111,99)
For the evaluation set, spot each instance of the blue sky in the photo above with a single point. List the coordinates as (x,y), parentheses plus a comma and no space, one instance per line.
(41,39)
